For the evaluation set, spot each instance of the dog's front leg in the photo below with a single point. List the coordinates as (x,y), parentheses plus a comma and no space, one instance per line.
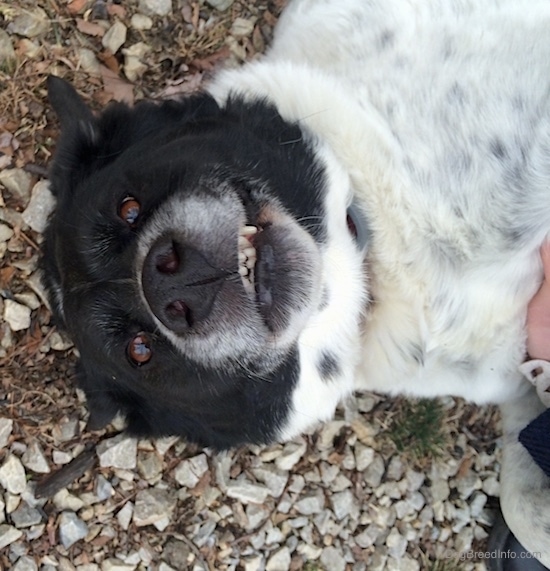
(525,488)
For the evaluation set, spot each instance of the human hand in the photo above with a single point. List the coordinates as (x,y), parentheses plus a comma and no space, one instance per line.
(538,314)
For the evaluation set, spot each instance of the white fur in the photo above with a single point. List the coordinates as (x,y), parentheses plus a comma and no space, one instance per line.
(435,117)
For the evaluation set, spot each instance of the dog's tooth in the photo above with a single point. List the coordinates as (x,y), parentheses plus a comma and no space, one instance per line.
(248,230)
(250,263)
(243,243)
(242,257)
(243,271)
(250,253)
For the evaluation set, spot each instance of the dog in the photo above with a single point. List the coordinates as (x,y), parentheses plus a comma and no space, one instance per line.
(360,209)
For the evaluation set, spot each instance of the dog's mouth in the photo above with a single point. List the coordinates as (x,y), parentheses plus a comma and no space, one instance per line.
(247,257)
(256,266)
(217,277)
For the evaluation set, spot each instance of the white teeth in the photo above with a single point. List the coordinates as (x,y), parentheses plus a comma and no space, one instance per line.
(247,257)
(250,252)
(248,230)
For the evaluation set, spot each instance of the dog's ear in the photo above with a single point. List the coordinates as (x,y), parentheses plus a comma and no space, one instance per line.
(102,401)
(89,142)
(70,109)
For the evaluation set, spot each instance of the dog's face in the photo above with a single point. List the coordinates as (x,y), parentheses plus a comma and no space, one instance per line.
(185,258)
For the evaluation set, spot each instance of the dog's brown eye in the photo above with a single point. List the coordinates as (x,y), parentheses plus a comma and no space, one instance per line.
(129,210)
(139,349)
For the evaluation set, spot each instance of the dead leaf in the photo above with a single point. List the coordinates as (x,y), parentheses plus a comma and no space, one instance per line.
(6,275)
(465,466)
(208,63)
(77,6)
(108,59)
(116,10)
(189,84)
(89,28)
(116,87)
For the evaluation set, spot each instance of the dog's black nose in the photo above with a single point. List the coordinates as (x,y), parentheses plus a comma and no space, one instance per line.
(179,284)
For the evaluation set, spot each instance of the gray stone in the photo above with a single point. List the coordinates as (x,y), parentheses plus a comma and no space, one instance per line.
(414,480)
(18,182)
(375,471)
(333,559)
(491,486)
(6,426)
(28,298)
(154,507)
(58,342)
(440,490)
(290,456)
(65,501)
(141,22)
(134,58)
(274,479)
(40,206)
(467,484)
(25,516)
(177,553)
(114,564)
(12,475)
(88,61)
(395,469)
(17,315)
(311,504)
(220,4)
(189,472)
(205,533)
(71,529)
(103,489)
(66,429)
(279,561)
(254,563)
(344,504)
(255,514)
(124,516)
(7,53)
(149,465)
(405,564)
(246,492)
(8,534)
(25,563)
(396,543)
(368,536)
(115,37)
(118,452)
(5,231)
(242,27)
(30,23)
(156,7)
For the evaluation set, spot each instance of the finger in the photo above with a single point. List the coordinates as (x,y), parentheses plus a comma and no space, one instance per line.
(545,255)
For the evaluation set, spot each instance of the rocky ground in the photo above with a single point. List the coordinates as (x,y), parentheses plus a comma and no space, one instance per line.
(359,494)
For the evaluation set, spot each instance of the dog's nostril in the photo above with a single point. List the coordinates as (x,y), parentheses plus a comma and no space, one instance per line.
(168,262)
(180,310)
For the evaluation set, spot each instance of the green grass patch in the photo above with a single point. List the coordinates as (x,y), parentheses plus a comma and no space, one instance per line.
(443,566)
(418,429)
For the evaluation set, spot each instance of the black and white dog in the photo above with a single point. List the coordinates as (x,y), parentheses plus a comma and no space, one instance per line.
(362,209)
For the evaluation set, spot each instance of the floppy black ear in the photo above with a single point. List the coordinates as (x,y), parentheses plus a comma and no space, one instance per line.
(67,104)
(90,142)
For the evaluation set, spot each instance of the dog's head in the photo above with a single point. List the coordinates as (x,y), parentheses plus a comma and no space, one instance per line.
(200,259)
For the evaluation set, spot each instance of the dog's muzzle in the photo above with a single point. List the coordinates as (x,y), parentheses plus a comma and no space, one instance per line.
(179,284)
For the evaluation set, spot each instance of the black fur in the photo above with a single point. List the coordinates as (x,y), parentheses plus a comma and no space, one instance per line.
(155,150)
